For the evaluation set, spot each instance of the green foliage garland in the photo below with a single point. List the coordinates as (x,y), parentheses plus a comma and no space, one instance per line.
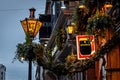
(61,37)
(78,65)
(98,22)
(80,17)
(87,63)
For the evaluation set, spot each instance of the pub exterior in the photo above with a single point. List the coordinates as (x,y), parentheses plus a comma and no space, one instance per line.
(96,56)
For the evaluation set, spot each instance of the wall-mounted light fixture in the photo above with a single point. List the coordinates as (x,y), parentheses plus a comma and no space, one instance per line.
(70,29)
(63,5)
(108,5)
(82,5)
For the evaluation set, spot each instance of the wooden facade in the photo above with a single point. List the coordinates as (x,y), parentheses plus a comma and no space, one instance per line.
(113,63)
(113,57)
(106,68)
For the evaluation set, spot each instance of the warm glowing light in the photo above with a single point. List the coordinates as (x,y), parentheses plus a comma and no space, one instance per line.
(82,6)
(70,29)
(31,26)
(22,58)
(108,5)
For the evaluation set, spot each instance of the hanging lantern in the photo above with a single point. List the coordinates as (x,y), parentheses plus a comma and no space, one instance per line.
(70,29)
(31,25)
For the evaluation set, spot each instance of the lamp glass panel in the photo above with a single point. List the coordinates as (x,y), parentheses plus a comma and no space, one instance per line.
(31,26)
(38,26)
(70,29)
(24,25)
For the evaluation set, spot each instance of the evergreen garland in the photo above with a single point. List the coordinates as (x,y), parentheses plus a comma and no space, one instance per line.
(82,65)
(87,63)
(80,17)
(98,23)
(61,37)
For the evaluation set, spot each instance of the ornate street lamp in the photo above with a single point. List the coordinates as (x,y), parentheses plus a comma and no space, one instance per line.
(31,27)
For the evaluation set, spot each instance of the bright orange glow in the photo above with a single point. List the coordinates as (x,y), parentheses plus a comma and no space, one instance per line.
(108,5)
(31,26)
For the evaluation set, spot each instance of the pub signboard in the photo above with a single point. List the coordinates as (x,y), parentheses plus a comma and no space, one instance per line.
(85,46)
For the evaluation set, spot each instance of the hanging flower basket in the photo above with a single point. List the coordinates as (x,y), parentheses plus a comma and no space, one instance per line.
(80,17)
(32,50)
(98,23)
